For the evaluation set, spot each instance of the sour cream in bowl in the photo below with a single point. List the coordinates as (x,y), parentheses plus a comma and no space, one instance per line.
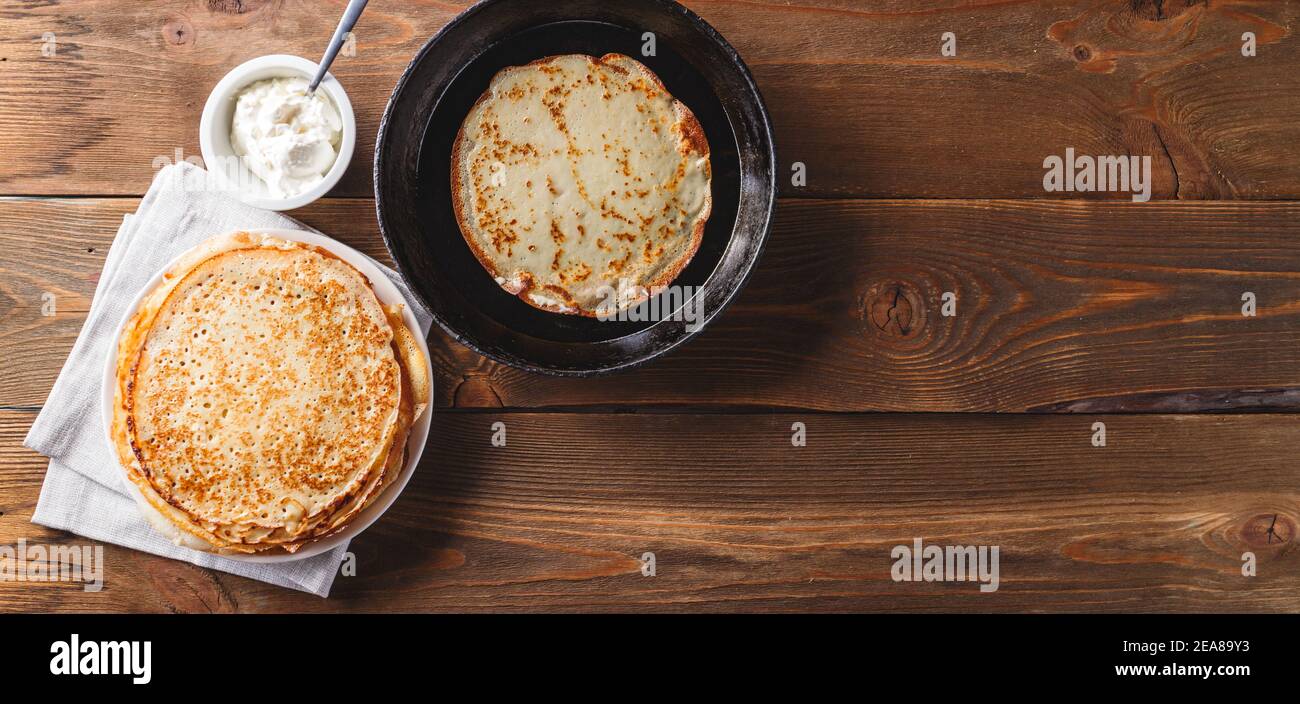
(285,135)
(270,142)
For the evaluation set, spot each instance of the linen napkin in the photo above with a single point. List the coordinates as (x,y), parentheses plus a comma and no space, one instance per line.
(84,490)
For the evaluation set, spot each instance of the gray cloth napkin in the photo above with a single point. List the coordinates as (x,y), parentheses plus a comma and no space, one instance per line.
(84,490)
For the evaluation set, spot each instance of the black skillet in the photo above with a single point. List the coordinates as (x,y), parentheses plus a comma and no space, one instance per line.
(432,98)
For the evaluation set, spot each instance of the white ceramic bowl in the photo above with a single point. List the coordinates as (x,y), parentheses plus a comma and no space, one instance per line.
(388,294)
(218,114)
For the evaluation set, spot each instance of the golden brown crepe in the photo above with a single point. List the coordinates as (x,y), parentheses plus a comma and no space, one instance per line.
(264,395)
(574,178)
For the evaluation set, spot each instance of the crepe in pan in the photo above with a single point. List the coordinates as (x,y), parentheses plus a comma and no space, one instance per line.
(580,183)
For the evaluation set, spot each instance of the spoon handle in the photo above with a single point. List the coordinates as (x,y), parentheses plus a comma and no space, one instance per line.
(349,20)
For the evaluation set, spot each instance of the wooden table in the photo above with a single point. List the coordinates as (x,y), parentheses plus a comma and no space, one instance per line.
(924,177)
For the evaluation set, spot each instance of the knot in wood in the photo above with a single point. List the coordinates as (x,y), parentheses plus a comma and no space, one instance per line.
(234,7)
(1161,10)
(178,31)
(1269,529)
(895,309)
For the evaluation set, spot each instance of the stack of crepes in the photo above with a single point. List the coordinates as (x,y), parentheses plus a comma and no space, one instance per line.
(264,396)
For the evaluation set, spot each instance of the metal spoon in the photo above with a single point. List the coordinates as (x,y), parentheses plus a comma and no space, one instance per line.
(349,20)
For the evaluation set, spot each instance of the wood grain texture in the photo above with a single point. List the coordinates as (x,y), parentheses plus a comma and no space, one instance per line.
(1060,306)
(858,91)
(740,520)
(1066,309)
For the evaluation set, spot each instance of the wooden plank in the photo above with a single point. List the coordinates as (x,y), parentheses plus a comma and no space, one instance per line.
(858,91)
(1060,306)
(740,520)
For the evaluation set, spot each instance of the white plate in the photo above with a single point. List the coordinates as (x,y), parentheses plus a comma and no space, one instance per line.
(388,294)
